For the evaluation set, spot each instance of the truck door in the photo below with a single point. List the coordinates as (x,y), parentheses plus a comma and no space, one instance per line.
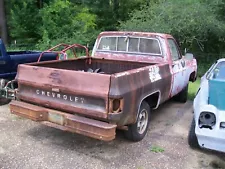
(178,68)
(4,61)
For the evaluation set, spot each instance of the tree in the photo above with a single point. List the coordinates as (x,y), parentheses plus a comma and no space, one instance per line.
(24,21)
(196,23)
(64,22)
(110,12)
(3,24)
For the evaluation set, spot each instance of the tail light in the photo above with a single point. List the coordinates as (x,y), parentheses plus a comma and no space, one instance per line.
(116,105)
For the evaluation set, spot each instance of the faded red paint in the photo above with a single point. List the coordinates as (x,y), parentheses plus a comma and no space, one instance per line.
(62,86)
(66,47)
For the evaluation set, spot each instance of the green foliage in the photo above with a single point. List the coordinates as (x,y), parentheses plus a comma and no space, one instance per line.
(63,22)
(23,21)
(193,88)
(157,149)
(196,23)
(111,12)
(48,22)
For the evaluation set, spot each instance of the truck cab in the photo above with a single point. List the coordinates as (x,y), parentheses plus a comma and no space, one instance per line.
(151,48)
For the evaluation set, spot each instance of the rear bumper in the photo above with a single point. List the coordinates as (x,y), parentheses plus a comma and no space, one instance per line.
(65,121)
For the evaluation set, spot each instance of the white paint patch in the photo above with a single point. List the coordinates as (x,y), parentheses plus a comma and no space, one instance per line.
(121,74)
(105,47)
(154,73)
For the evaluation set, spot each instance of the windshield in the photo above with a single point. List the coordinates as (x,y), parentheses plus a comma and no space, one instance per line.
(218,72)
(130,45)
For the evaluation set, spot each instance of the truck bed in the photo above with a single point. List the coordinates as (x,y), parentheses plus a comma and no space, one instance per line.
(105,66)
(64,86)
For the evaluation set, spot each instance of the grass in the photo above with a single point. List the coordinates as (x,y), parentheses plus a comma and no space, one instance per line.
(193,88)
(157,149)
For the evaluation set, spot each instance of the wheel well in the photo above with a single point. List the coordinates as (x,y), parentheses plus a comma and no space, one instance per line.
(192,77)
(153,100)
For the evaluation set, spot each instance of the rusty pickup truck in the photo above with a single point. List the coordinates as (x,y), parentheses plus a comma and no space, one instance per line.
(127,76)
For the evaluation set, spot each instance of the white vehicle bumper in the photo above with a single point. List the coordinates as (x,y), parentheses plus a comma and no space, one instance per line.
(214,138)
(211,139)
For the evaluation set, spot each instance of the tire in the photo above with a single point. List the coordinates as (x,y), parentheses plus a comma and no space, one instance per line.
(137,131)
(182,96)
(192,138)
(4,101)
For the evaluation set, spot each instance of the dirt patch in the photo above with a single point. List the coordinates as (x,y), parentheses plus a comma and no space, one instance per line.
(26,144)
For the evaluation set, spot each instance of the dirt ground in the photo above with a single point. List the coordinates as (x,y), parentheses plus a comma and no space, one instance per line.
(25,144)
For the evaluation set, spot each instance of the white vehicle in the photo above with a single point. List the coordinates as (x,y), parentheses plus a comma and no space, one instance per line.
(208,125)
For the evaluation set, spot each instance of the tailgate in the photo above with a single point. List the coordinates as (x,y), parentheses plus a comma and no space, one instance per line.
(66,90)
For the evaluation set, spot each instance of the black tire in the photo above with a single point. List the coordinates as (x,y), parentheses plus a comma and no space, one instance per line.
(182,96)
(133,133)
(192,138)
(4,101)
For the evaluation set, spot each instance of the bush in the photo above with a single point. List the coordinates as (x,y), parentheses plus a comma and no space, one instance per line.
(197,24)
(24,21)
(64,22)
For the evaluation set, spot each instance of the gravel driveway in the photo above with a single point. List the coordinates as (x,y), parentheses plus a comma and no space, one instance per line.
(25,144)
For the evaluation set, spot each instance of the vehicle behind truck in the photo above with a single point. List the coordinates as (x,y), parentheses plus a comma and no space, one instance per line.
(9,62)
(128,75)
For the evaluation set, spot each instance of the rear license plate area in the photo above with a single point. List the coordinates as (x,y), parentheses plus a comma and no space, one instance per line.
(56,118)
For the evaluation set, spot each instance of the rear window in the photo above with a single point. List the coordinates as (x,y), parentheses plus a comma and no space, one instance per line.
(133,45)
(108,43)
(130,45)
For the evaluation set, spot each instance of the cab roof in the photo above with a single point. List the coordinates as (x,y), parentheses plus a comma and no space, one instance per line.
(133,33)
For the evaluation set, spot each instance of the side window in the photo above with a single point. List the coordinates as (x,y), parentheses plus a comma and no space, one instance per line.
(149,46)
(173,50)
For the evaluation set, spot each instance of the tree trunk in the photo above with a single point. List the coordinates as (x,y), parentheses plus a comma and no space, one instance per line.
(40,4)
(116,8)
(3,25)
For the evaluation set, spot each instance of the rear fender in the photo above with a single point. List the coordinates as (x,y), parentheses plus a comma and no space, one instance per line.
(154,106)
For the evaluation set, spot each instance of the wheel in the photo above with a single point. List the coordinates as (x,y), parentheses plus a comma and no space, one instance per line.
(182,96)
(4,101)
(138,130)
(192,138)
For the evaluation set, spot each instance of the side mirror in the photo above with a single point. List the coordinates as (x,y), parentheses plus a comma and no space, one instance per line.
(189,56)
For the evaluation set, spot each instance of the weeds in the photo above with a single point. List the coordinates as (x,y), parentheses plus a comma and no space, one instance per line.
(157,149)
(193,88)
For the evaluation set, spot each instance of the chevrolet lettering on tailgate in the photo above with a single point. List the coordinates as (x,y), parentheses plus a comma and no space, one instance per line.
(60,96)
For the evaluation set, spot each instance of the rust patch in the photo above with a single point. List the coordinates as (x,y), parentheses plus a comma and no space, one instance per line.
(64,121)
(136,86)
